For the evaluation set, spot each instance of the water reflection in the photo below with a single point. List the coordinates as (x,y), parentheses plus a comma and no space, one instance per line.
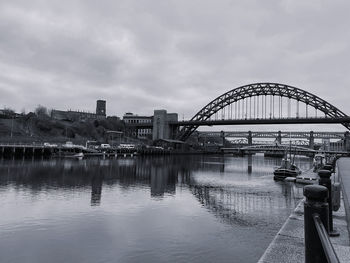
(161,175)
(238,192)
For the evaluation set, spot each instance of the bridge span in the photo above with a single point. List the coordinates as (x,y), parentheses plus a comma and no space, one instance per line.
(264,103)
(252,104)
(273,134)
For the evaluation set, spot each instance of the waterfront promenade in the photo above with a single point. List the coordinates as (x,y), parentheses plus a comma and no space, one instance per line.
(288,244)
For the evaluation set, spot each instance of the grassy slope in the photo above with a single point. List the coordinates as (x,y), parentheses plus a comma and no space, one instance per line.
(31,128)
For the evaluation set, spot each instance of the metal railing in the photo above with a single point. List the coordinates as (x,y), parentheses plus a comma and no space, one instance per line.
(318,219)
(327,246)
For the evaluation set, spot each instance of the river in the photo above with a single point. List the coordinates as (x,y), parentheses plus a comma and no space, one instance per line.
(144,209)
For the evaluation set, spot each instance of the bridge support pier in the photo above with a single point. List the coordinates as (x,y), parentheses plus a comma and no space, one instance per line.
(250,138)
(223,138)
(250,164)
(279,137)
(311,140)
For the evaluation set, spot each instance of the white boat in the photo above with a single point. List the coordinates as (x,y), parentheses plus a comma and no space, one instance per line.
(78,156)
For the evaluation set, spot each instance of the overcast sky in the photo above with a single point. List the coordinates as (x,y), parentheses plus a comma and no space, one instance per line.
(178,55)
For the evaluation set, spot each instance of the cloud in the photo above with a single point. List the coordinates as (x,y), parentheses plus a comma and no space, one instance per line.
(178,55)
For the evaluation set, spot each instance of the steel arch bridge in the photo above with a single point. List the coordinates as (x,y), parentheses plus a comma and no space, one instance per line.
(263,107)
(244,142)
(274,148)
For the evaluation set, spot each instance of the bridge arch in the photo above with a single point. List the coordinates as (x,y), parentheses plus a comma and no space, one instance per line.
(261,89)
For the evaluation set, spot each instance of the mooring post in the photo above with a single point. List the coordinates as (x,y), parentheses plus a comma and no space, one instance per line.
(328,167)
(325,180)
(316,196)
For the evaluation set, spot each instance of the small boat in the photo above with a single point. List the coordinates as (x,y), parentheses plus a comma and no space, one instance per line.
(78,156)
(71,155)
(306,179)
(319,161)
(287,169)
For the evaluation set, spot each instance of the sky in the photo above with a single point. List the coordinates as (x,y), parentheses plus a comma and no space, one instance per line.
(141,55)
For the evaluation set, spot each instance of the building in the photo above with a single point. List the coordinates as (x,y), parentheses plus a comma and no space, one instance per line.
(143,132)
(70,115)
(161,125)
(152,127)
(101,108)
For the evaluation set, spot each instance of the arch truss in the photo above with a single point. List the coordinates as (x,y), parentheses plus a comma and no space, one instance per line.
(263,101)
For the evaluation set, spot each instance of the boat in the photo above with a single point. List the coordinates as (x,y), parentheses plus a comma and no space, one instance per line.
(319,161)
(287,168)
(306,179)
(78,156)
(71,155)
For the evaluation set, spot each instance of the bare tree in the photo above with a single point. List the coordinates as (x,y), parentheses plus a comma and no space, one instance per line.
(8,111)
(41,111)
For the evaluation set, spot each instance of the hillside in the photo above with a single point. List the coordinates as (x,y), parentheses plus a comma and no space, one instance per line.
(30,128)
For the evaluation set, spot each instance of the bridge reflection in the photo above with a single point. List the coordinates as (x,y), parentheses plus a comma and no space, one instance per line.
(223,185)
(245,206)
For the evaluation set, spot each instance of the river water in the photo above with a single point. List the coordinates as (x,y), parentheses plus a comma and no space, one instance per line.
(145,209)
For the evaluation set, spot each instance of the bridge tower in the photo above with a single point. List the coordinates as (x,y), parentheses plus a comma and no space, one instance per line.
(161,125)
(311,140)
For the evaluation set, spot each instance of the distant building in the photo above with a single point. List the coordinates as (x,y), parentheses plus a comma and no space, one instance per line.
(81,115)
(158,126)
(142,133)
(9,114)
(101,108)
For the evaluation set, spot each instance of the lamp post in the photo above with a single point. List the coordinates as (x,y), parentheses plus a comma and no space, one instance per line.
(11,126)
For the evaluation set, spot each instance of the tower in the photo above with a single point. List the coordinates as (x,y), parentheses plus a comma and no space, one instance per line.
(101,108)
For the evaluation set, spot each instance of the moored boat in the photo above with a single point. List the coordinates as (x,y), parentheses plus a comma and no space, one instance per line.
(73,155)
(287,169)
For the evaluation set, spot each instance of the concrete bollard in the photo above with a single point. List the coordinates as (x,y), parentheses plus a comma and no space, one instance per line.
(325,180)
(316,196)
(336,189)
(328,167)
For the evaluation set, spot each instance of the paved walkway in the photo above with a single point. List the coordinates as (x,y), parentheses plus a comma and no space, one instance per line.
(343,169)
(288,244)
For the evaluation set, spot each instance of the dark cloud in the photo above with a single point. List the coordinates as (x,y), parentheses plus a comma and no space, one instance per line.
(140,54)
